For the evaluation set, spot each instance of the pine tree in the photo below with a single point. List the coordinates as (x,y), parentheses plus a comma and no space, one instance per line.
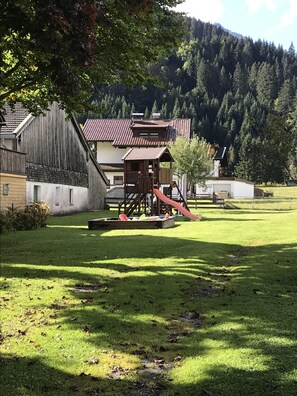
(146,114)
(176,113)
(284,102)
(266,91)
(154,108)
(164,111)
(240,85)
(247,54)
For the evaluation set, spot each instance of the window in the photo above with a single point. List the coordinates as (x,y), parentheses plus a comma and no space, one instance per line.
(57,198)
(143,134)
(70,196)
(36,193)
(152,135)
(118,180)
(5,189)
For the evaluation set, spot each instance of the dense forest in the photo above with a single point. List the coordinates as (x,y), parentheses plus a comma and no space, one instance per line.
(239,93)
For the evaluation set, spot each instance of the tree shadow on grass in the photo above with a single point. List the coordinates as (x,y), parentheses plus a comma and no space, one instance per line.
(34,377)
(220,297)
(75,247)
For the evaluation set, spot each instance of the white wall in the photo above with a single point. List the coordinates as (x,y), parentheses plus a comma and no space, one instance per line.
(59,204)
(235,188)
(207,189)
(108,154)
(216,168)
(110,176)
(243,190)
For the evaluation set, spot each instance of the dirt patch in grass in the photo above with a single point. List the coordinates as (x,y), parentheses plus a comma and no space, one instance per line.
(89,287)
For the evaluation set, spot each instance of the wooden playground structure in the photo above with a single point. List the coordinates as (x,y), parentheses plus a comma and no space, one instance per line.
(145,176)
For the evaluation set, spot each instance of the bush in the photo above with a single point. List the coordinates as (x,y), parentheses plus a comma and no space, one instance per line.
(33,216)
(4,222)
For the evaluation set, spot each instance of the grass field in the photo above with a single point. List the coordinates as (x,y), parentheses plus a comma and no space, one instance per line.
(204,308)
(282,192)
(283,198)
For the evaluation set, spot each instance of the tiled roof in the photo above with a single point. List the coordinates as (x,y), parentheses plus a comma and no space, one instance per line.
(120,133)
(13,117)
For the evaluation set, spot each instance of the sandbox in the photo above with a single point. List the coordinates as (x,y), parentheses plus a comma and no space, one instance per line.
(147,223)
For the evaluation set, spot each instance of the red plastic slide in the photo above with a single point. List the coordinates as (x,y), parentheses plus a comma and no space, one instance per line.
(176,205)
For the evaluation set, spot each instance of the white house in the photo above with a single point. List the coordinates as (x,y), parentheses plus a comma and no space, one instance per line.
(221,181)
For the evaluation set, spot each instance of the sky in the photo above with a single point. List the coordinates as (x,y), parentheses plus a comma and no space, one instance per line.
(269,20)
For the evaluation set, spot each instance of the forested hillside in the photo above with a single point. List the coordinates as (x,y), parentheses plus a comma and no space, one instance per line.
(238,93)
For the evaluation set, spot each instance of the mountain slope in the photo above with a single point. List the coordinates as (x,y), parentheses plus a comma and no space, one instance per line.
(235,91)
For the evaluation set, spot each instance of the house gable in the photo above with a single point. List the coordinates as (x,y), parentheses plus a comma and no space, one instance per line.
(59,161)
(56,149)
(52,141)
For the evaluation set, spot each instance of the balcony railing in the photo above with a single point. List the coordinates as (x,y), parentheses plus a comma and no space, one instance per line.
(12,162)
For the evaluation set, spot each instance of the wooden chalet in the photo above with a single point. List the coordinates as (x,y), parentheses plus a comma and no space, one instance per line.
(60,166)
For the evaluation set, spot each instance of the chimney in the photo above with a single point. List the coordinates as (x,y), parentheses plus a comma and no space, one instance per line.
(212,150)
(137,116)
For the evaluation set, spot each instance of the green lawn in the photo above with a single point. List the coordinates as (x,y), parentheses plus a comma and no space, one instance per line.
(283,198)
(282,191)
(205,308)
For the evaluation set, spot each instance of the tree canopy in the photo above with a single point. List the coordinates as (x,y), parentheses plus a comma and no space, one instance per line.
(191,158)
(59,50)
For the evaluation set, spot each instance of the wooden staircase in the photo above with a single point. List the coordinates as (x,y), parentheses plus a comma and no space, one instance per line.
(133,202)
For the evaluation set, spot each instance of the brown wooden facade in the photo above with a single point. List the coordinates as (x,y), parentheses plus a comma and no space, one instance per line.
(58,157)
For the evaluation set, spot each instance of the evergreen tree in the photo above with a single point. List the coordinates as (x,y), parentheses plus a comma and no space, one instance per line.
(176,113)
(164,111)
(284,101)
(292,158)
(146,114)
(154,108)
(266,85)
(240,86)
(251,156)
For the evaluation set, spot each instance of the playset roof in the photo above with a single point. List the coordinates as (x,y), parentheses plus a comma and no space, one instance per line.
(151,153)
